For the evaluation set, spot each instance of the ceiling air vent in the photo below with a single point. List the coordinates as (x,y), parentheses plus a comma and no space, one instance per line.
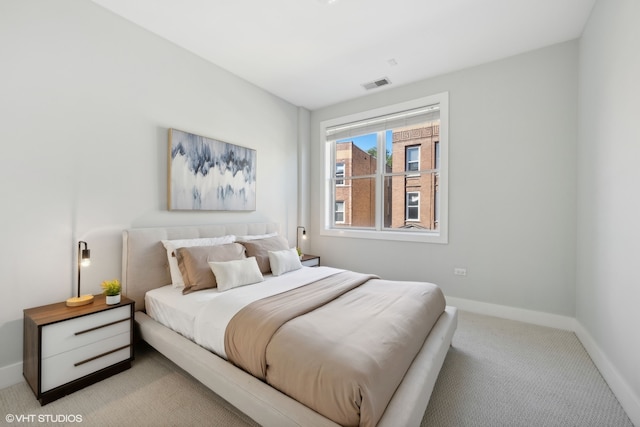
(376,83)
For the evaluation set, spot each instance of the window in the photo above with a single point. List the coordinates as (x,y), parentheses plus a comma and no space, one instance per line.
(386,172)
(339,212)
(339,173)
(413,159)
(413,206)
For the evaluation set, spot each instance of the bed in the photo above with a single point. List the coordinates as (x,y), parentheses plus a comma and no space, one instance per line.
(144,269)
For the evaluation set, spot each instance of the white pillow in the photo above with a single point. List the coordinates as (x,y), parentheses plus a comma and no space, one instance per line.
(231,274)
(255,237)
(172,245)
(284,261)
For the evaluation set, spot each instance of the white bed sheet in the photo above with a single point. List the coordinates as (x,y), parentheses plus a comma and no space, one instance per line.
(203,316)
(169,307)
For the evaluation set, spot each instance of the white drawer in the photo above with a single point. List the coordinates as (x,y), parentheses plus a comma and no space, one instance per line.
(60,369)
(63,336)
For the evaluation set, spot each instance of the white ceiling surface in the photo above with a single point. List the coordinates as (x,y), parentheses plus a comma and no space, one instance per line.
(314,54)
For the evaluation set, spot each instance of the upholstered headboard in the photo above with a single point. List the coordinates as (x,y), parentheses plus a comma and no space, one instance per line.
(144,258)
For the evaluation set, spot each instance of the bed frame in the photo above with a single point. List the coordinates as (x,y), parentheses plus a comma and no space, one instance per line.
(144,267)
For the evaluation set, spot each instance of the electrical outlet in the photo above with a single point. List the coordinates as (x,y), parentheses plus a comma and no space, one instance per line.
(460,271)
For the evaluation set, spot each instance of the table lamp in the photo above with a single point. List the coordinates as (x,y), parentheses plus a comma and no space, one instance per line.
(84,259)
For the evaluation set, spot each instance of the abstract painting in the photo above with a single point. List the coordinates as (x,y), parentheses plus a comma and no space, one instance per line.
(210,175)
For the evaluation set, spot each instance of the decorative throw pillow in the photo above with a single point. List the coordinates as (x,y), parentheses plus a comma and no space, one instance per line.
(260,249)
(232,274)
(172,245)
(284,261)
(193,263)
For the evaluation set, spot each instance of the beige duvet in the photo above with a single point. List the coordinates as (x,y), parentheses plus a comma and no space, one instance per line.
(340,345)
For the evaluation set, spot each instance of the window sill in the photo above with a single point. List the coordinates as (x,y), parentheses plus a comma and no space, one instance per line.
(401,236)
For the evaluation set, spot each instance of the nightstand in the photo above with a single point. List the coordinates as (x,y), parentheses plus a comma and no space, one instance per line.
(310,260)
(69,348)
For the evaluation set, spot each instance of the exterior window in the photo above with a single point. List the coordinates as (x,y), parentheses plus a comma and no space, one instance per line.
(413,206)
(386,172)
(339,173)
(413,159)
(339,212)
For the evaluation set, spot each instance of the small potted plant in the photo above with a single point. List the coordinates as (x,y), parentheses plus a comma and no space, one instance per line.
(299,252)
(111,288)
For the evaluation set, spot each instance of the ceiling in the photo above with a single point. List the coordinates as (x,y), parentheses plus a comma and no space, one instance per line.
(314,53)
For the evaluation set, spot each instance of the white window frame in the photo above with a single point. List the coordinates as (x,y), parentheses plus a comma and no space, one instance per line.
(336,210)
(406,160)
(340,178)
(379,232)
(407,206)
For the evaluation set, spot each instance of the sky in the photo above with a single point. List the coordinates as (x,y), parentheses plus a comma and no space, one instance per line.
(365,142)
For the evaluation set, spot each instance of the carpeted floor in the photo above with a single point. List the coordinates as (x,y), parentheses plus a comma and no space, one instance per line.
(505,373)
(497,373)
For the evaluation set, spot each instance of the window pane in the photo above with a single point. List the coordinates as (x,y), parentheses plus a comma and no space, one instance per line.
(412,197)
(355,204)
(413,158)
(358,155)
(413,213)
(411,201)
(339,211)
(413,206)
(339,173)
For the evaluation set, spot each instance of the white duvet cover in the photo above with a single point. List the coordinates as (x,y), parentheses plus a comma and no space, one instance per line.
(203,316)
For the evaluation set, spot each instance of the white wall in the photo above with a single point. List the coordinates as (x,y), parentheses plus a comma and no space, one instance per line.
(608,285)
(86,99)
(513,132)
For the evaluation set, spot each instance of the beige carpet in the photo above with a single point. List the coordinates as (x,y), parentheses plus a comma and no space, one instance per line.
(506,373)
(498,373)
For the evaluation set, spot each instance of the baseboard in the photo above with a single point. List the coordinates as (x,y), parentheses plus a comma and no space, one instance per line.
(513,313)
(623,392)
(10,375)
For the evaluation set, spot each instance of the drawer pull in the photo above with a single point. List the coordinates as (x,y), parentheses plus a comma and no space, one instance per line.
(101,355)
(102,326)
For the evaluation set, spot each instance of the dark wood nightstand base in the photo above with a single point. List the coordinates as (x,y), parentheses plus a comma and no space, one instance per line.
(81,383)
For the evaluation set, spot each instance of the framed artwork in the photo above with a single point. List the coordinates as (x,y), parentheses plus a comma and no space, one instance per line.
(210,175)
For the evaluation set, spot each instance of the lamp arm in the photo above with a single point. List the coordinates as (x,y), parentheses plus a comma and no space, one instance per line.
(79,261)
